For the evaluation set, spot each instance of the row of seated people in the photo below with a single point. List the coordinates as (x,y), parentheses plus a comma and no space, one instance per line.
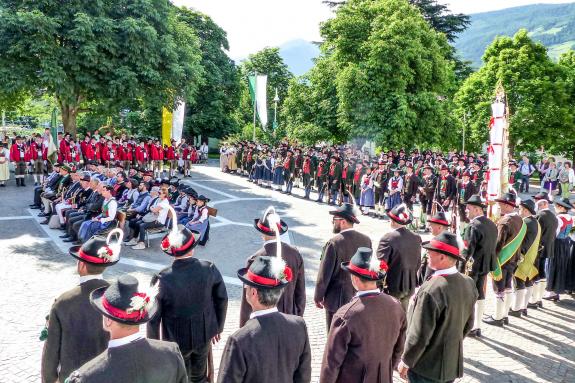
(83,203)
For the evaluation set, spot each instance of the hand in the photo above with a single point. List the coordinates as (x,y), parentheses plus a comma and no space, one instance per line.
(216,338)
(94,219)
(319,304)
(402,369)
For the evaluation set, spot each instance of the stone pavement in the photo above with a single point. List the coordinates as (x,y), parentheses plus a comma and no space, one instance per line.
(35,268)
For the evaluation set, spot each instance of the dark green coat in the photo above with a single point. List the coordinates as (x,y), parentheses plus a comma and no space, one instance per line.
(438,320)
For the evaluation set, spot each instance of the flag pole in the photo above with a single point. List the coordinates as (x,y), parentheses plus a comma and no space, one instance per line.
(255,87)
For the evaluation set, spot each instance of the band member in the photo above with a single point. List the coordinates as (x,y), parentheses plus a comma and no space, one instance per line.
(288,171)
(292,300)
(367,198)
(142,156)
(356,333)
(526,269)
(75,333)
(395,186)
(548,222)
(401,250)
(346,181)
(446,190)
(320,180)
(480,239)
(410,186)
(380,182)
(124,308)
(437,225)
(272,346)
(333,287)
(465,190)
(357,176)
(38,154)
(172,158)
(427,192)
(18,158)
(307,174)
(333,179)
(440,317)
(510,233)
(187,314)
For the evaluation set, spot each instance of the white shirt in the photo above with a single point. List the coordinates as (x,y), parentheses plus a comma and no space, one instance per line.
(86,278)
(164,204)
(263,312)
(123,341)
(450,271)
(366,292)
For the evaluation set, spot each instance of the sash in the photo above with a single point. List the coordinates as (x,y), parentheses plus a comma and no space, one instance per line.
(526,268)
(508,251)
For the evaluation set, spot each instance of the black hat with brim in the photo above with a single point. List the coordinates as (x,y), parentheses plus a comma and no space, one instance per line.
(95,251)
(508,199)
(259,274)
(476,201)
(359,265)
(529,205)
(346,211)
(439,218)
(445,243)
(564,202)
(114,302)
(264,227)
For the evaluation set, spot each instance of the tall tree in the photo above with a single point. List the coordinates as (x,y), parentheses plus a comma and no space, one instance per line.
(265,62)
(565,139)
(536,93)
(97,52)
(393,73)
(212,113)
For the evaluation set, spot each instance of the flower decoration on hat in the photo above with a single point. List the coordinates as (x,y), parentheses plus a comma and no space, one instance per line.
(142,302)
(175,239)
(280,270)
(377,265)
(111,251)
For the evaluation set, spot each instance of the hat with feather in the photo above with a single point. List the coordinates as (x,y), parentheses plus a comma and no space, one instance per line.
(98,250)
(268,220)
(365,265)
(401,214)
(180,240)
(123,302)
(266,273)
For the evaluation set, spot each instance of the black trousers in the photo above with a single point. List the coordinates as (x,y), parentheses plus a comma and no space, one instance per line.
(505,282)
(328,318)
(37,191)
(74,223)
(196,362)
(480,283)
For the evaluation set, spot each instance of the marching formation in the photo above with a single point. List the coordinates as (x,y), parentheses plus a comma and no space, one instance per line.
(430,294)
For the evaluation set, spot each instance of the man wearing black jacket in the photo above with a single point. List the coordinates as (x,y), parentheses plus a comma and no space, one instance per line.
(92,208)
(50,183)
(446,189)
(192,303)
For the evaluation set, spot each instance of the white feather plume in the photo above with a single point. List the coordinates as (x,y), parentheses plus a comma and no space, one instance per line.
(175,237)
(460,243)
(277,266)
(374,264)
(274,221)
(146,302)
(115,247)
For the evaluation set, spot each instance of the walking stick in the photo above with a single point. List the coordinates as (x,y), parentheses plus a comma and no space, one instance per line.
(211,364)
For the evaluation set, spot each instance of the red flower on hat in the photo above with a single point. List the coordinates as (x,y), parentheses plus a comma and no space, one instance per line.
(383,266)
(288,274)
(166,243)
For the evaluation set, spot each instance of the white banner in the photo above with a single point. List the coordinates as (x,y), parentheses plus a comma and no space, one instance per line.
(178,121)
(261,99)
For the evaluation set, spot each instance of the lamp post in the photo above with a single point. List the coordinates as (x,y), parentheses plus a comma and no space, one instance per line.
(464,129)
(276,100)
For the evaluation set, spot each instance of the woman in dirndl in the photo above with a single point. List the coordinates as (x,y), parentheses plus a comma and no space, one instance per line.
(201,220)
(550,179)
(278,178)
(223,159)
(395,186)
(268,175)
(4,164)
(367,197)
(259,169)
(557,268)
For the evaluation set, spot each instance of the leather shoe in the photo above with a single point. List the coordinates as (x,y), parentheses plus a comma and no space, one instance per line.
(69,239)
(65,236)
(493,322)
(45,222)
(516,314)
(532,306)
(553,298)
(43,214)
(524,312)
(475,333)
(506,320)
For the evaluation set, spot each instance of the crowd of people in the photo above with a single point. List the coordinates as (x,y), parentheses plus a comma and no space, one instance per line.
(430,295)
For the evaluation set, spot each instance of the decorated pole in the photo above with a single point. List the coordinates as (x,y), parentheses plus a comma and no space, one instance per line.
(498,150)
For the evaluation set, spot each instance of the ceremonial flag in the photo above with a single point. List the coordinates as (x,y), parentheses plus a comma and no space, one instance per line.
(166,126)
(258,92)
(178,121)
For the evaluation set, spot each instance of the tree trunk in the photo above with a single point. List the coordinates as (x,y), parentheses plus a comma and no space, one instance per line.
(69,115)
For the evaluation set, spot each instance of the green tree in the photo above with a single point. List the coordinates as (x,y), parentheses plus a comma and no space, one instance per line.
(269,62)
(212,114)
(393,73)
(565,139)
(536,93)
(97,52)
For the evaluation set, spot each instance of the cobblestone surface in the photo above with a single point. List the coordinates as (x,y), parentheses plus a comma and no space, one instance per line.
(35,268)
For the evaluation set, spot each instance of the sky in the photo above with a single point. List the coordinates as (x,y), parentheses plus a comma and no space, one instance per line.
(255,24)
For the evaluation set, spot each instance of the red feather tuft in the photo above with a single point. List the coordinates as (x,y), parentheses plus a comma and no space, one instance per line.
(288,274)
(383,266)
(165,243)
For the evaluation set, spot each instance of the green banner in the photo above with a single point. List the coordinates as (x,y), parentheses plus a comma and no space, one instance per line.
(54,125)
(508,252)
(252,86)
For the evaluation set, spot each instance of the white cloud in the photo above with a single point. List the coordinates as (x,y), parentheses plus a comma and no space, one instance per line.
(254,24)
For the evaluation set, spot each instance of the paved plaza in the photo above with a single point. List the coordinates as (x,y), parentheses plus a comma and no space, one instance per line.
(35,268)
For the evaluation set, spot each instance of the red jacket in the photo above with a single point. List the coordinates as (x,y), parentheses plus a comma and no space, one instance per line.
(90,152)
(171,153)
(105,153)
(18,153)
(157,153)
(84,147)
(37,151)
(141,154)
(73,155)
(64,151)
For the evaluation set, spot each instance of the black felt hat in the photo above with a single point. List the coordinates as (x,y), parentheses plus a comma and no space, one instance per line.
(98,250)
(476,201)
(445,243)
(266,273)
(541,196)
(440,219)
(365,265)
(508,198)
(124,303)
(346,211)
(401,215)
(529,205)
(268,218)
(564,202)
(180,240)
(202,197)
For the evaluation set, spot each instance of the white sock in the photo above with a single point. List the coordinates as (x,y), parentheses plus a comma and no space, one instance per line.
(499,308)
(479,309)
(541,290)
(35,178)
(519,298)
(509,297)
(527,297)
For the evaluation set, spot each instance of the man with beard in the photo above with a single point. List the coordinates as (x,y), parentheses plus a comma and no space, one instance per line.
(333,287)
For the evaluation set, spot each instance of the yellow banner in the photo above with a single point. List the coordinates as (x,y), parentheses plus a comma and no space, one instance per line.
(166,126)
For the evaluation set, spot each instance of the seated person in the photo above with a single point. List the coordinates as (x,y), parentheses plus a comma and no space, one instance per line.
(156,217)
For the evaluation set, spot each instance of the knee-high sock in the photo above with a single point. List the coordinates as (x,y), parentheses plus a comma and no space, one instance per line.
(509,297)
(479,309)
(499,307)
(519,298)
(35,178)
(527,297)
(541,286)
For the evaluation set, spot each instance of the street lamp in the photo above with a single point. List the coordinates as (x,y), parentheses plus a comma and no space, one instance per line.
(276,100)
